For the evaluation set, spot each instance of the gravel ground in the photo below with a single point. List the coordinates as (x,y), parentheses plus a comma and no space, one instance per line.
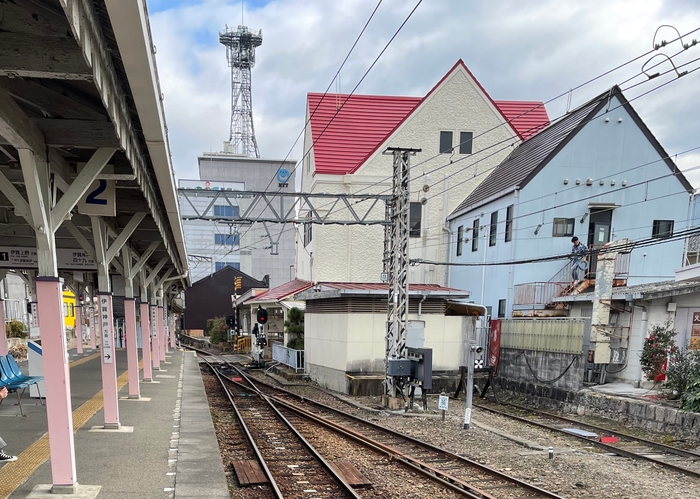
(576,471)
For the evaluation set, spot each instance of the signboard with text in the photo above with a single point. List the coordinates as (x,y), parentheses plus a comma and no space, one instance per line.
(12,257)
(105,323)
(695,332)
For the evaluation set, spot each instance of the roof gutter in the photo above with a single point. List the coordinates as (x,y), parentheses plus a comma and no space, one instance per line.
(481,203)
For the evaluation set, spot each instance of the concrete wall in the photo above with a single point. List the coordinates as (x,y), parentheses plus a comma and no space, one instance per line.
(355,253)
(543,366)
(355,343)
(610,151)
(252,256)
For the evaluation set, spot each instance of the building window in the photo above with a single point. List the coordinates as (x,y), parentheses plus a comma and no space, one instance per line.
(475,235)
(221,265)
(662,229)
(493,230)
(509,224)
(563,227)
(460,239)
(72,310)
(308,228)
(445,142)
(225,211)
(416,210)
(65,309)
(227,239)
(501,308)
(465,142)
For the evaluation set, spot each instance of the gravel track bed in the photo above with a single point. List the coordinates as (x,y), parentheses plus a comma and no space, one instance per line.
(576,471)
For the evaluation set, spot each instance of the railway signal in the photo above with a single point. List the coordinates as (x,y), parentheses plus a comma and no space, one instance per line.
(262,316)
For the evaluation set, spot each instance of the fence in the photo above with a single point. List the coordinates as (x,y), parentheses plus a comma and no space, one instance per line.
(562,335)
(538,293)
(288,357)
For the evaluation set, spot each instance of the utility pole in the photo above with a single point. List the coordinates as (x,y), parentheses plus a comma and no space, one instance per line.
(396,262)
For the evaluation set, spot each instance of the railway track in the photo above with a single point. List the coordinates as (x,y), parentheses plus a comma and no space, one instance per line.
(681,460)
(290,464)
(458,473)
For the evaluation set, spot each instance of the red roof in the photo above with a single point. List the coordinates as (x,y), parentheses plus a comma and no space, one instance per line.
(344,140)
(534,116)
(282,291)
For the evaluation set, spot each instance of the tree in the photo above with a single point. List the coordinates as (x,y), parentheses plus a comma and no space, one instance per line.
(294,326)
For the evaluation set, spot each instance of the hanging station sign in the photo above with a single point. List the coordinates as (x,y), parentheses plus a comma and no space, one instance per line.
(12,257)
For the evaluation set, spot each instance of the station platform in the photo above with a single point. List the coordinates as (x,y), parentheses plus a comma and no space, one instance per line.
(166,446)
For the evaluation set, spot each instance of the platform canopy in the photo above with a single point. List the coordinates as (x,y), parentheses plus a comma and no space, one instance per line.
(78,81)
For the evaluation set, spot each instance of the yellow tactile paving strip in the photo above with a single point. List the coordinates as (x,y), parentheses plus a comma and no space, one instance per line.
(12,475)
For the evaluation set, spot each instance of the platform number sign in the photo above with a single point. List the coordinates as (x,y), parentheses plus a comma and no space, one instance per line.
(100,198)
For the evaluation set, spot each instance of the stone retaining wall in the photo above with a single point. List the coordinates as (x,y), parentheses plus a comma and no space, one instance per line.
(633,413)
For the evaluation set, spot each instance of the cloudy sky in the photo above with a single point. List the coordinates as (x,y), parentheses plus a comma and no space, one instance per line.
(517,49)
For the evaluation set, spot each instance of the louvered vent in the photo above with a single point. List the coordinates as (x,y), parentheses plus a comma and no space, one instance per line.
(369,305)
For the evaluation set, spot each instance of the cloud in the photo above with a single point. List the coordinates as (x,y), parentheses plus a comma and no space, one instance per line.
(532,50)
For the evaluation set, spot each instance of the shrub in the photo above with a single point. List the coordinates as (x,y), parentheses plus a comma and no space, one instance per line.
(218,330)
(683,371)
(296,343)
(15,329)
(690,401)
(19,352)
(656,351)
(294,325)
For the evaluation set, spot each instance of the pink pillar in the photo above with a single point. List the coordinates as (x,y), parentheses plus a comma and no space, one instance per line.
(79,329)
(171,330)
(155,337)
(3,334)
(110,393)
(57,381)
(146,343)
(91,319)
(161,332)
(132,348)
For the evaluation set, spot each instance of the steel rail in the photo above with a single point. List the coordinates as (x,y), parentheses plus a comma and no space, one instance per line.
(610,448)
(666,448)
(344,485)
(420,466)
(268,473)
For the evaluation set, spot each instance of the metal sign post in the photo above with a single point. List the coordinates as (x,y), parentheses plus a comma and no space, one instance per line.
(471,360)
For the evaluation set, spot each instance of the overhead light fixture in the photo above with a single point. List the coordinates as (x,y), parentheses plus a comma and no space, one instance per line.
(537,230)
(584,217)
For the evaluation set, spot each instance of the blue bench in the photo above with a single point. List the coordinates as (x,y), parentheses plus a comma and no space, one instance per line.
(12,378)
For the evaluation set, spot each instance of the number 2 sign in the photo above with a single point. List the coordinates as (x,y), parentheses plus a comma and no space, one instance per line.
(100,198)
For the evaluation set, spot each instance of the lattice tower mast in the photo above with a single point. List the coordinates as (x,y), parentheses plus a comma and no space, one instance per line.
(240,52)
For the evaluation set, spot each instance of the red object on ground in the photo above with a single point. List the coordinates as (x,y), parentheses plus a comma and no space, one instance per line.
(608,440)
(237,379)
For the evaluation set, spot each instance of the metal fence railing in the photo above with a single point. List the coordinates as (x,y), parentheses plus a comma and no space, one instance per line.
(288,357)
(538,293)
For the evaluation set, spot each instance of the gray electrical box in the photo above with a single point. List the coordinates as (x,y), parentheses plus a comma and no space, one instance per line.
(398,367)
(415,335)
(422,366)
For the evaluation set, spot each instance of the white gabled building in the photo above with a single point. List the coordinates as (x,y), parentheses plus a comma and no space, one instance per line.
(345,138)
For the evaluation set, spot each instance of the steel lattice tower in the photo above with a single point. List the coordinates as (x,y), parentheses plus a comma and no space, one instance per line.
(240,52)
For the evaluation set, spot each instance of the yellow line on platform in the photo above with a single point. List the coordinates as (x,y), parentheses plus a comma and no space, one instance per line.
(12,475)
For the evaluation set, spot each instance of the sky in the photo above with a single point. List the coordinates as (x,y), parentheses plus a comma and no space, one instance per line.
(517,49)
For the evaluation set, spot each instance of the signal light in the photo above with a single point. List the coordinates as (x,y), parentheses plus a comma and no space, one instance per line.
(262,316)
(231,320)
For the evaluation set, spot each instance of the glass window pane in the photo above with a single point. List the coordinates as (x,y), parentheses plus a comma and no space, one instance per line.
(445,142)
(465,142)
(414,219)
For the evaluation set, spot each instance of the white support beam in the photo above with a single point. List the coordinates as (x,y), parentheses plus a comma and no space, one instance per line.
(125,234)
(99,236)
(160,281)
(154,273)
(80,185)
(141,261)
(82,240)
(12,194)
(17,128)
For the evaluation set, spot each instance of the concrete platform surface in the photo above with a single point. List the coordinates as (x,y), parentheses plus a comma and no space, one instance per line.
(166,441)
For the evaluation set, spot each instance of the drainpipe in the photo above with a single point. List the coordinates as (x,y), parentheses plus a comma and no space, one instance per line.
(640,344)
(483,267)
(511,270)
(420,306)
(446,230)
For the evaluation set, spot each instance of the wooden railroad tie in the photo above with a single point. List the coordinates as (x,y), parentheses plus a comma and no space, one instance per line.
(350,474)
(248,473)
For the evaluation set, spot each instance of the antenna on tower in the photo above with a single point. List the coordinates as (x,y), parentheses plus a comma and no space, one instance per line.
(240,53)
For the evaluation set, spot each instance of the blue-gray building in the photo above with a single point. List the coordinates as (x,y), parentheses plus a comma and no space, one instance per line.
(597,173)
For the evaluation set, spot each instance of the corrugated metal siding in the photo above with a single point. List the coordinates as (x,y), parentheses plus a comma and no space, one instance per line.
(369,305)
(543,335)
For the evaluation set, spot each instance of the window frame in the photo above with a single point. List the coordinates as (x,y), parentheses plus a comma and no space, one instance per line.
(442,150)
(218,208)
(475,235)
(463,143)
(493,229)
(460,239)
(224,238)
(656,232)
(565,221)
(502,308)
(509,224)
(308,231)
(415,231)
